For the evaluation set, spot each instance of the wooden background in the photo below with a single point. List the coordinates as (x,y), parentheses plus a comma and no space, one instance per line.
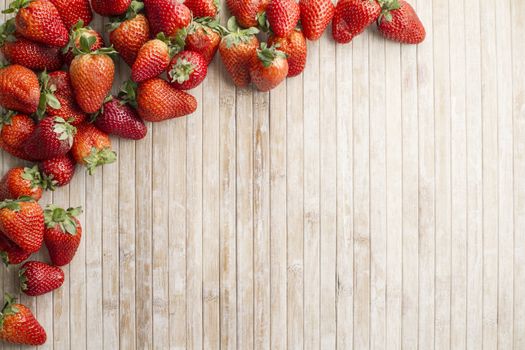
(377,201)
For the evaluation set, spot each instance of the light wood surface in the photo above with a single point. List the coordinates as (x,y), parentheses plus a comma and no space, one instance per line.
(376,201)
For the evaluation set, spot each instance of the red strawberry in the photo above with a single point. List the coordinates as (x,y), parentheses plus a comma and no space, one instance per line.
(120,119)
(352,17)
(187,70)
(399,22)
(53,137)
(269,68)
(22,182)
(10,253)
(39,20)
(157,100)
(91,75)
(152,59)
(110,8)
(283,16)
(18,325)
(58,171)
(204,37)
(203,8)
(294,46)
(92,148)
(237,50)
(63,233)
(77,31)
(167,16)
(37,278)
(16,129)
(56,86)
(19,89)
(128,35)
(247,12)
(72,11)
(316,15)
(22,221)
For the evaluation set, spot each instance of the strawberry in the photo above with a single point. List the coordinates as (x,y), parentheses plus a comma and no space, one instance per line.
(269,68)
(58,171)
(157,100)
(22,182)
(283,16)
(152,59)
(247,12)
(92,148)
(167,16)
(399,22)
(22,221)
(52,137)
(39,20)
(60,99)
(204,37)
(203,8)
(91,75)
(351,18)
(16,129)
(316,15)
(120,119)
(237,49)
(128,34)
(187,70)
(110,8)
(37,278)
(72,11)
(18,325)
(10,253)
(294,46)
(77,31)
(63,233)
(19,89)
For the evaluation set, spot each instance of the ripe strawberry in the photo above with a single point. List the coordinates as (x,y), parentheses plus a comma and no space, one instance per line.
(237,50)
(352,17)
(167,16)
(39,20)
(91,75)
(22,182)
(18,325)
(187,70)
(63,233)
(10,253)
(294,46)
(37,278)
(120,119)
(16,129)
(204,37)
(77,31)
(247,12)
(399,22)
(316,15)
(269,68)
(110,8)
(58,171)
(152,59)
(22,221)
(52,137)
(72,11)
(92,148)
(129,34)
(203,8)
(57,88)
(283,16)
(19,89)
(157,100)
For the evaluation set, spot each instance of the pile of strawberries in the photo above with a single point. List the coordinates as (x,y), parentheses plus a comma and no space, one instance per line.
(57,109)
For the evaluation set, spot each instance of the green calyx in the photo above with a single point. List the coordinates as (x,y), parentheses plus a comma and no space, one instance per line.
(175,43)
(86,43)
(65,219)
(267,55)
(5,258)
(8,309)
(14,204)
(22,279)
(17,5)
(208,25)
(47,96)
(99,157)
(386,7)
(6,118)
(182,71)
(34,176)
(134,9)
(7,31)
(128,93)
(236,35)
(64,130)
